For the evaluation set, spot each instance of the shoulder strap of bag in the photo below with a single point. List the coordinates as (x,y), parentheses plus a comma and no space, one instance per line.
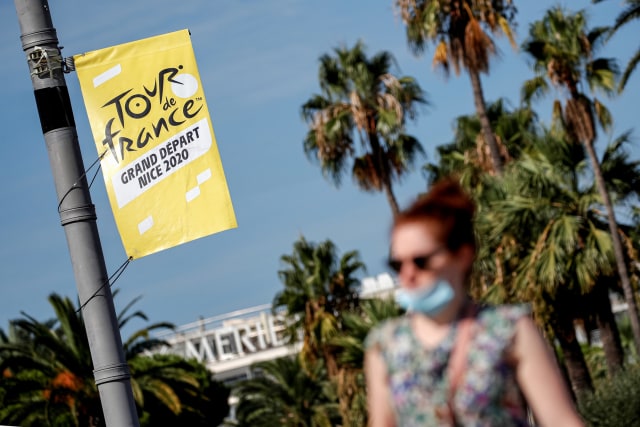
(458,358)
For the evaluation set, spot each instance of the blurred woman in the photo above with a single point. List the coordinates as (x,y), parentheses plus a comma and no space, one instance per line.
(448,361)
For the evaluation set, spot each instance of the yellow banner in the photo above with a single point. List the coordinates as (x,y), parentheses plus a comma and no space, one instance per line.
(151,125)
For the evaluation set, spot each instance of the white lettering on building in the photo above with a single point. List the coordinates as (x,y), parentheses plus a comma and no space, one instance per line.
(232,337)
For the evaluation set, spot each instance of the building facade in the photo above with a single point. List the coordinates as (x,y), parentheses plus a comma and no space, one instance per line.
(229,344)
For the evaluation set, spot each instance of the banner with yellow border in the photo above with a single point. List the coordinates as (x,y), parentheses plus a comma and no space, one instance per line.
(152,129)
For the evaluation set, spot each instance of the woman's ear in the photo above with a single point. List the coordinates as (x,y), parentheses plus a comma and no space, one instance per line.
(466,254)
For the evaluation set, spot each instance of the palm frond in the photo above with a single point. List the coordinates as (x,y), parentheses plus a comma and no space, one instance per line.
(534,89)
(629,69)
(602,113)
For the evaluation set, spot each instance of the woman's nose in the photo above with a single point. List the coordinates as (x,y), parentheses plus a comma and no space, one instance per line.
(408,273)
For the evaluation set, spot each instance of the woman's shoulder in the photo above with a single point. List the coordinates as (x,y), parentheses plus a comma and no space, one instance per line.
(385,331)
(510,312)
(501,320)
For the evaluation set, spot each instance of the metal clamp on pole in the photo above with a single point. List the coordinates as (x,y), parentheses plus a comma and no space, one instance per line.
(112,373)
(78,213)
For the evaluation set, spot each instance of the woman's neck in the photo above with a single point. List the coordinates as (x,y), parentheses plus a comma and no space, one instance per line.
(431,330)
(453,311)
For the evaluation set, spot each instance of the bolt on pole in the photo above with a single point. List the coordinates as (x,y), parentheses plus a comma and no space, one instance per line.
(77,212)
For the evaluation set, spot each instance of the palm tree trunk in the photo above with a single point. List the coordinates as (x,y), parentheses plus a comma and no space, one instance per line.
(632,309)
(348,389)
(391,198)
(481,110)
(573,358)
(608,329)
(385,175)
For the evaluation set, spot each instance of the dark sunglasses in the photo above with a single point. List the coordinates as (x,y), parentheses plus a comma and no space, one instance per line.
(421,262)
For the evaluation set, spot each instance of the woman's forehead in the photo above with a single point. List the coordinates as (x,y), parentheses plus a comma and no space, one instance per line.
(416,236)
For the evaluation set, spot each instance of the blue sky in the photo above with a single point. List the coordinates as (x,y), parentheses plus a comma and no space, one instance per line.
(258,63)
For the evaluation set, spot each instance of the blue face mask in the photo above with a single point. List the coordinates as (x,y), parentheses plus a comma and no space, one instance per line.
(430,301)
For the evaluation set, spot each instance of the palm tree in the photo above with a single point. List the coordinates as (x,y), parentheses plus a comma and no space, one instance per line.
(563,53)
(48,373)
(461,32)
(320,292)
(318,289)
(349,347)
(630,13)
(170,390)
(555,247)
(535,227)
(362,100)
(463,157)
(141,339)
(516,129)
(284,394)
(48,370)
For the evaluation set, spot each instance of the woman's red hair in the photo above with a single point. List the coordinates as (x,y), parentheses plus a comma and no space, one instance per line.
(450,208)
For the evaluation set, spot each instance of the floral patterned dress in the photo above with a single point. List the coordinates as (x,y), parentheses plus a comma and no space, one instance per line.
(487,394)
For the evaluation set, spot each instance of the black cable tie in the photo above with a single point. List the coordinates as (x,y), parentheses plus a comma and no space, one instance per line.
(75,184)
(116,274)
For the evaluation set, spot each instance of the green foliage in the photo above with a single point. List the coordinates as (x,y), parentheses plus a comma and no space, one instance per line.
(319,286)
(349,349)
(46,371)
(284,394)
(462,32)
(563,51)
(514,128)
(626,336)
(594,356)
(630,13)
(615,403)
(320,294)
(178,392)
(463,27)
(531,222)
(362,100)
(349,345)
(46,376)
